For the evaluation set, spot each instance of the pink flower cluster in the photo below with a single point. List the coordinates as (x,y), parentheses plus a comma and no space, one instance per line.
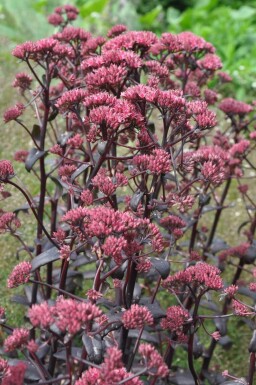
(239,308)
(113,247)
(19,275)
(8,222)
(21,155)
(212,161)
(68,315)
(13,113)
(68,12)
(157,163)
(22,81)
(184,41)
(174,224)
(136,317)
(17,340)
(237,251)
(153,361)
(110,372)
(71,99)
(234,107)
(108,185)
(101,221)
(16,375)
(239,148)
(4,369)
(182,202)
(230,291)
(201,274)
(176,318)
(6,170)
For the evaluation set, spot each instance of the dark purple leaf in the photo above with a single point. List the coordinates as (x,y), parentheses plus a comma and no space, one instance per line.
(95,348)
(21,299)
(23,209)
(119,273)
(89,274)
(31,374)
(62,354)
(43,350)
(250,254)
(136,199)
(252,345)
(213,378)
(53,114)
(221,325)
(241,226)
(82,260)
(155,309)
(225,342)
(102,147)
(36,133)
(247,292)
(218,245)
(33,156)
(48,256)
(204,199)
(182,377)
(62,140)
(197,347)
(58,187)
(162,266)
(28,292)
(146,336)
(136,293)
(79,171)
(209,305)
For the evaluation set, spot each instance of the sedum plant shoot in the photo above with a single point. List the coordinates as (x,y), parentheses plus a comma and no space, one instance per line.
(133,156)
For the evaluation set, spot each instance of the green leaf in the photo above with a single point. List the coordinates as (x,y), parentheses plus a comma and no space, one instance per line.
(150,17)
(207,5)
(92,6)
(173,18)
(243,13)
(39,5)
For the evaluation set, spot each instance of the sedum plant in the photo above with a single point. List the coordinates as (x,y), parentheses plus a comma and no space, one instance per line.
(133,157)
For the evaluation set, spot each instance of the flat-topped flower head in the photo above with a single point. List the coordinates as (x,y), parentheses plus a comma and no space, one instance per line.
(19,275)
(132,40)
(136,317)
(110,372)
(154,361)
(71,99)
(9,222)
(41,315)
(13,113)
(117,30)
(22,81)
(201,274)
(18,339)
(158,162)
(234,107)
(4,369)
